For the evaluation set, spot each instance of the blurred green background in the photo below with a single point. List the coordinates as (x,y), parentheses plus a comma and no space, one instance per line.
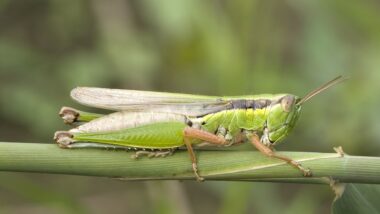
(191,46)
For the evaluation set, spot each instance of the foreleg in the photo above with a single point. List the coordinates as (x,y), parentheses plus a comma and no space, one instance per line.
(255,140)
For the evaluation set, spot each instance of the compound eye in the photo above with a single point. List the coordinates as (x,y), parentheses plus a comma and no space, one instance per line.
(287,103)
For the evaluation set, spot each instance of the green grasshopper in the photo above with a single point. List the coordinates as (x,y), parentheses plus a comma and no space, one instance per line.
(157,123)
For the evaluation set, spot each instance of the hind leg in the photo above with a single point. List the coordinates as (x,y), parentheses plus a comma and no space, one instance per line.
(155,135)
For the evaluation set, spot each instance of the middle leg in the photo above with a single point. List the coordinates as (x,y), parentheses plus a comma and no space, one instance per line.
(192,133)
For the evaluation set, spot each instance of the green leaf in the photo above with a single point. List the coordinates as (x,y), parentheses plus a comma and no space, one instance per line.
(358,198)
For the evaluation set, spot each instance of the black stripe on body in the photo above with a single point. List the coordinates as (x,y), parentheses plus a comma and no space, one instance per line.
(250,104)
(243,104)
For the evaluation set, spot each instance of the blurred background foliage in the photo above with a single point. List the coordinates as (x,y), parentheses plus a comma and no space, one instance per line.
(211,47)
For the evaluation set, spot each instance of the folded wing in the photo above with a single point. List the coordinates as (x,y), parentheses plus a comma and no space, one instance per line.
(132,100)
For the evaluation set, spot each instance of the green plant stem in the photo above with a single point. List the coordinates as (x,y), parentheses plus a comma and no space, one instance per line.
(213,165)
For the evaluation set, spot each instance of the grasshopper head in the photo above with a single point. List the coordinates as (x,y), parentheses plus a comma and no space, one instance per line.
(284,113)
(282,117)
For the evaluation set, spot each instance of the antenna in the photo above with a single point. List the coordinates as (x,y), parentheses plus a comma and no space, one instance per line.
(322,88)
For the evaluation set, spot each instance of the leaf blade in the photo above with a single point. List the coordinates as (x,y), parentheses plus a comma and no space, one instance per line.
(358,198)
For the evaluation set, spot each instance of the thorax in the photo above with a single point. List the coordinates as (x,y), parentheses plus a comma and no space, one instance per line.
(232,123)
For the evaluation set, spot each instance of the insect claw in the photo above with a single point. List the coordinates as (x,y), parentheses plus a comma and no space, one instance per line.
(195,170)
(307,172)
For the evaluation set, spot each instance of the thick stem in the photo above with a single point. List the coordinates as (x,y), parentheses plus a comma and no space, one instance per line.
(213,165)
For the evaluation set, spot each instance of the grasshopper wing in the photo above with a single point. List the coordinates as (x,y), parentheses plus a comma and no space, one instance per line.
(132,100)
